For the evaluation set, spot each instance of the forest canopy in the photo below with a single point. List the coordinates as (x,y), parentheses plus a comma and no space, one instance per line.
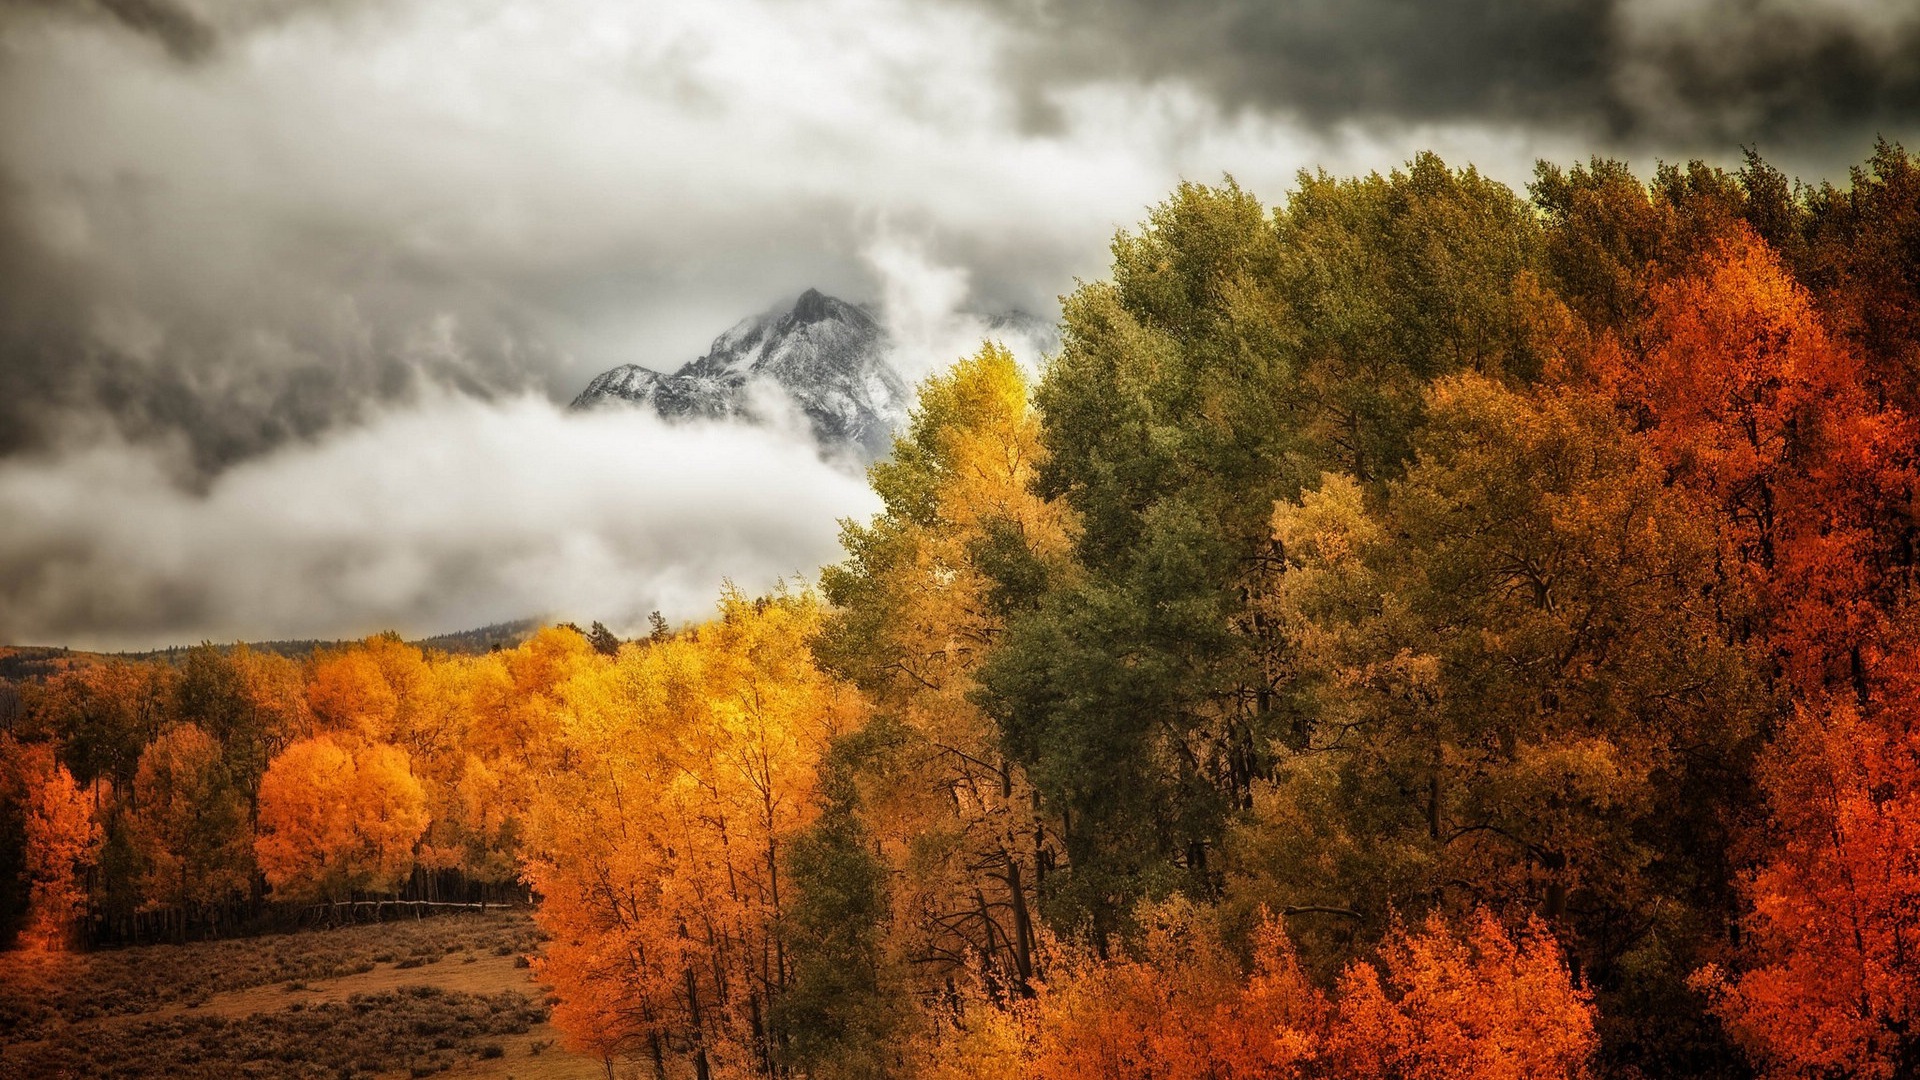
(1417,629)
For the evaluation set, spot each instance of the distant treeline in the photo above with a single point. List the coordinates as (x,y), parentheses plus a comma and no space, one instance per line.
(37,663)
(502,635)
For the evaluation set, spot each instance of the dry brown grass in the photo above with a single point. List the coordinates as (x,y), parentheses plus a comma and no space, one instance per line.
(41,993)
(418,1030)
(450,995)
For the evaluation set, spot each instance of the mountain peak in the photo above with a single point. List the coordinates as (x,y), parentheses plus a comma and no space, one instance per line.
(825,355)
(815,306)
(812,306)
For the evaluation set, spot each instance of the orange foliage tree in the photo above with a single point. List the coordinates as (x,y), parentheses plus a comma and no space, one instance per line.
(1757,408)
(1440,1005)
(338,818)
(62,843)
(1763,413)
(659,845)
(1836,991)
(1477,1006)
(1180,1010)
(350,690)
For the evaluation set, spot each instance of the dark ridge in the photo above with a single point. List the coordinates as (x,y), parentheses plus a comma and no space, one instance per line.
(813,306)
(37,662)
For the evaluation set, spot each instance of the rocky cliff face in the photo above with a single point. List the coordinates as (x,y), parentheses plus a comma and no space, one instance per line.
(826,356)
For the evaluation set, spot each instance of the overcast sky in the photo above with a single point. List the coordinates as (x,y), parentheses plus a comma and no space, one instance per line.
(289,289)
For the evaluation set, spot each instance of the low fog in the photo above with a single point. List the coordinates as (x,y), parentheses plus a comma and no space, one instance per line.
(449,514)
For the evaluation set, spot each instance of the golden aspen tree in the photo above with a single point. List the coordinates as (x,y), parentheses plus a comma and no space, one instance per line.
(437,749)
(659,845)
(507,707)
(349,694)
(338,818)
(923,595)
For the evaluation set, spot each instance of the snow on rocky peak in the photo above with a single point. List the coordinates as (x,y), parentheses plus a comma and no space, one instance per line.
(829,357)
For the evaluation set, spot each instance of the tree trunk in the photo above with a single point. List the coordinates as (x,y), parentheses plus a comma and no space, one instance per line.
(701,1071)
(1022,926)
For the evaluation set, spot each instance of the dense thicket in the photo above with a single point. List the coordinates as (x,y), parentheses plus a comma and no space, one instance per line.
(1418,630)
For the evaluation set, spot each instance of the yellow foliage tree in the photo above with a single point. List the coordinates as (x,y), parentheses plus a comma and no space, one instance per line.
(511,705)
(920,601)
(658,845)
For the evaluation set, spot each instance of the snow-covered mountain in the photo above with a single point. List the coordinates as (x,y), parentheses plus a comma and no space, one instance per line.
(829,357)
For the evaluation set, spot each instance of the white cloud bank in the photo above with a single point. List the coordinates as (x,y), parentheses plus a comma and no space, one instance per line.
(450,515)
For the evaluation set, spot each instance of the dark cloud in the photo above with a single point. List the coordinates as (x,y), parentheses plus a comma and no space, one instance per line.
(285,305)
(182,32)
(1791,76)
(1658,71)
(189,31)
(143,297)
(345,204)
(269,354)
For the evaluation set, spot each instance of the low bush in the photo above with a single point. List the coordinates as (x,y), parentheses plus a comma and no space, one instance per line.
(38,993)
(368,1033)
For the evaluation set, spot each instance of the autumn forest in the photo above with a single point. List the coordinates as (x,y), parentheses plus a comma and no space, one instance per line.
(1415,630)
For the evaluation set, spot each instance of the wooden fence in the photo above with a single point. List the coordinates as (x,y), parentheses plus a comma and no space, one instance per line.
(421,897)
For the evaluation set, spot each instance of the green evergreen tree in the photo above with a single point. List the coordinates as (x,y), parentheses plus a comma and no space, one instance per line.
(843,1014)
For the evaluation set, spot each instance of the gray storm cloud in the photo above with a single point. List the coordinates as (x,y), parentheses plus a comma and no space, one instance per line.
(1673,76)
(184,33)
